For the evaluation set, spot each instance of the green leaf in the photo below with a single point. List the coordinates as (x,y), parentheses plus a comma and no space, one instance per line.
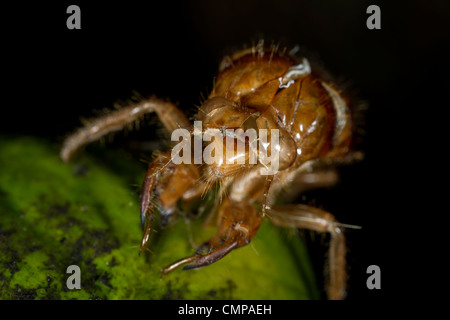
(86,213)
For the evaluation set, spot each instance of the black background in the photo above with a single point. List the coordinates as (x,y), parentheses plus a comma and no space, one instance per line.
(52,76)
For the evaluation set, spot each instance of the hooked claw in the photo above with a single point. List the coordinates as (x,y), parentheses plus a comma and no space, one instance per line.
(170,182)
(147,192)
(147,208)
(199,260)
(237,224)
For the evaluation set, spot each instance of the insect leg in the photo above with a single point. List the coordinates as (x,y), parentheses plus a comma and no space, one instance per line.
(306,217)
(238,223)
(171,117)
(146,206)
(169,182)
(200,260)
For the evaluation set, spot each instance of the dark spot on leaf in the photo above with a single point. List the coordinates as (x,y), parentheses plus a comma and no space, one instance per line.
(174,294)
(23,294)
(69,222)
(227,292)
(212,293)
(3,193)
(12,266)
(5,233)
(113,262)
(80,170)
(12,256)
(57,209)
(105,278)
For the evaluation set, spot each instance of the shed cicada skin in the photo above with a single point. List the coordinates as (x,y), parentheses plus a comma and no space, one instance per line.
(256,88)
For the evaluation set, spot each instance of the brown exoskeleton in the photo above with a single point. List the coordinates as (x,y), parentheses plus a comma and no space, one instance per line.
(260,88)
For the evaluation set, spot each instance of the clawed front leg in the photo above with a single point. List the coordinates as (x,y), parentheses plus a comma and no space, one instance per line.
(169,182)
(237,224)
(306,217)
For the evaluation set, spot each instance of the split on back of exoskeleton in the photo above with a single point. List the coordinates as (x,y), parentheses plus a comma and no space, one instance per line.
(257,88)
